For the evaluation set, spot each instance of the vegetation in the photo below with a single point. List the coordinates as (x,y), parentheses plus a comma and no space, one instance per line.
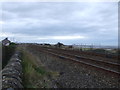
(7,52)
(35,75)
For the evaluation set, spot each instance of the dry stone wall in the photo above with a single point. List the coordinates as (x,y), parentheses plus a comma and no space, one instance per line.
(12,73)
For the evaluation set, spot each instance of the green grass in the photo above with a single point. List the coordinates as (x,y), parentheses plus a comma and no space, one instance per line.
(31,73)
(40,70)
(34,74)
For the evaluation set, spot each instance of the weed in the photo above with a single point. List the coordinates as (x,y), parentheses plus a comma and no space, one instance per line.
(34,73)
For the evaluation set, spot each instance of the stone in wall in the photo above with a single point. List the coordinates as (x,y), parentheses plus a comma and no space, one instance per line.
(12,73)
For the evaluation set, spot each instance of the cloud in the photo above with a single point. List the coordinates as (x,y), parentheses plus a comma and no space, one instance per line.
(62,37)
(59,21)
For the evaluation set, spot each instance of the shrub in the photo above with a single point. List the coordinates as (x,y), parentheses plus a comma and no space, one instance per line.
(7,52)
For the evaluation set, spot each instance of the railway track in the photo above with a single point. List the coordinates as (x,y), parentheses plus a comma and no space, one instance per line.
(86,54)
(109,56)
(99,64)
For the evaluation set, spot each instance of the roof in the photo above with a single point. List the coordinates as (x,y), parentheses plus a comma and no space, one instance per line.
(5,41)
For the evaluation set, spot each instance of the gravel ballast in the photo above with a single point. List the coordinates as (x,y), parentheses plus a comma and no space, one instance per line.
(76,75)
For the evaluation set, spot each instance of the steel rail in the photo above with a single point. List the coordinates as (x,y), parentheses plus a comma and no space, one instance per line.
(108,62)
(65,57)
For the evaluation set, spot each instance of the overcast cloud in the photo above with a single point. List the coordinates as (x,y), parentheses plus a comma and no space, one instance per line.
(69,23)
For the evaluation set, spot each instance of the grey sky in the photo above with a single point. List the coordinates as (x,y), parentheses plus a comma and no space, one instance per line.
(66,22)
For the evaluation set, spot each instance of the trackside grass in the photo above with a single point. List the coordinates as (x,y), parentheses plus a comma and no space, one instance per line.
(35,74)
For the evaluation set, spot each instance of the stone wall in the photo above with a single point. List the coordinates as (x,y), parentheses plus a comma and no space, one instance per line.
(12,73)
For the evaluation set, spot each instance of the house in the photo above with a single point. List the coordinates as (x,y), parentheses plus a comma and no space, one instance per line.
(6,42)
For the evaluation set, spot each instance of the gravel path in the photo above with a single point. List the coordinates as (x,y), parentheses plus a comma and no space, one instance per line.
(74,75)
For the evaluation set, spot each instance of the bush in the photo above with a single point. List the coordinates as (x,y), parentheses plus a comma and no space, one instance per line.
(7,52)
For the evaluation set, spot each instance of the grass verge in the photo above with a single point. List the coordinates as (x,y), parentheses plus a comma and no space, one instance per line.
(34,74)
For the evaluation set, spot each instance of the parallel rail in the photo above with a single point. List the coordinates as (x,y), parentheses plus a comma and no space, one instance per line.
(84,60)
(109,56)
(87,54)
(83,57)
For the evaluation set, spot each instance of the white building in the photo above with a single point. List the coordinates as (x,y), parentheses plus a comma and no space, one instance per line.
(6,42)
